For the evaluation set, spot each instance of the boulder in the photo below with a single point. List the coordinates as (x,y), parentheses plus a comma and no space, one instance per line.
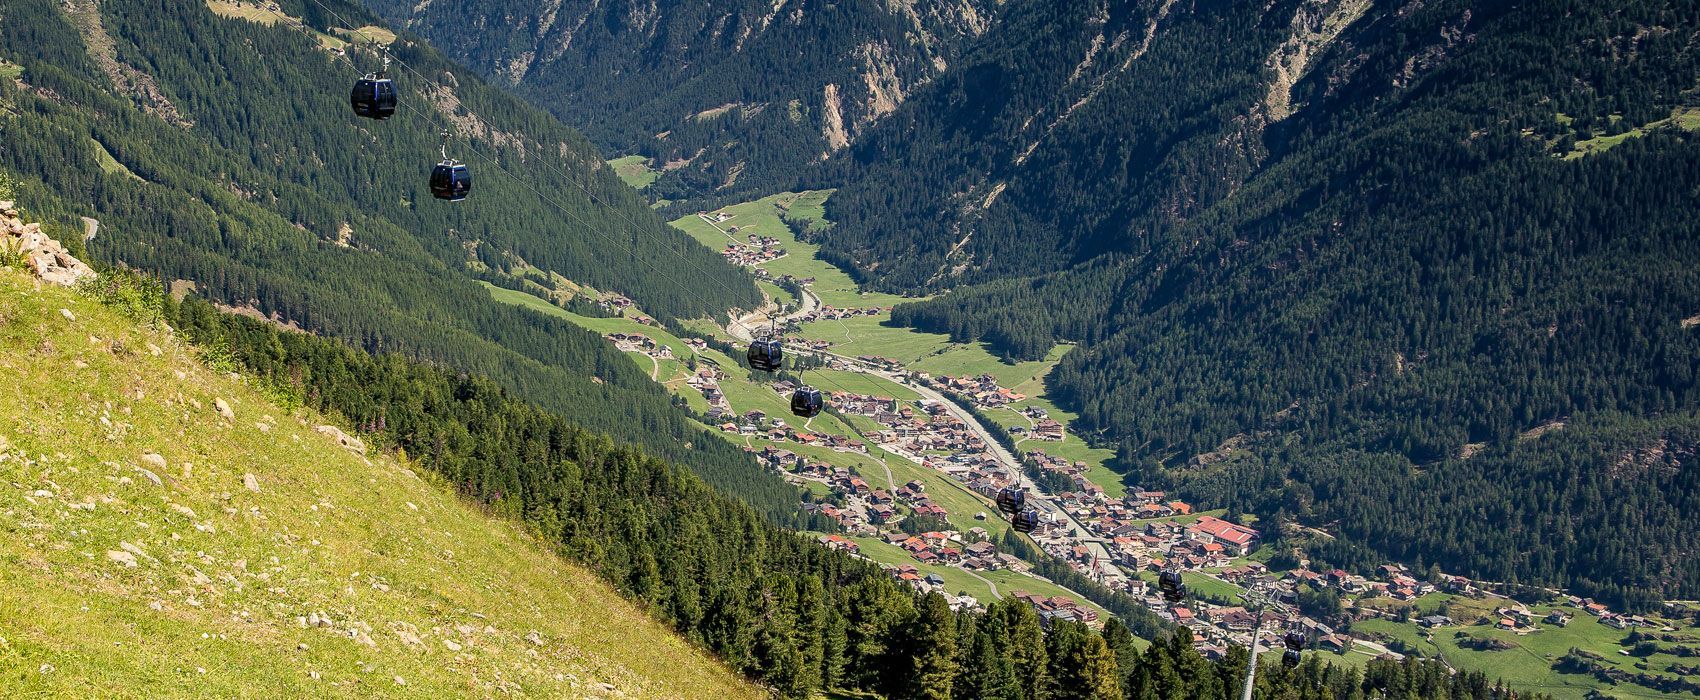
(344,440)
(224,409)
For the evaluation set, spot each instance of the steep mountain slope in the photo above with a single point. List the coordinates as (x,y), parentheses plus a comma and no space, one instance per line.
(220,150)
(1357,254)
(726,95)
(156,548)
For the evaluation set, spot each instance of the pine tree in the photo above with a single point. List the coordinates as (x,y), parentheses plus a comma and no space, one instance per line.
(1120,642)
(1097,675)
(932,645)
(1026,641)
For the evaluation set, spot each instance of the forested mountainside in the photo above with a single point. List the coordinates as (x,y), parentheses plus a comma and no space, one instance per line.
(221,150)
(1420,273)
(727,95)
(792,615)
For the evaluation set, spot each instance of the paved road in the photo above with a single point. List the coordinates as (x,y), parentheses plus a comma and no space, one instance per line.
(1009,461)
(741,327)
(989,583)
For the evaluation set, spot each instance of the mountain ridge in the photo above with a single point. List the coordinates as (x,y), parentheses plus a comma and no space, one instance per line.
(725,97)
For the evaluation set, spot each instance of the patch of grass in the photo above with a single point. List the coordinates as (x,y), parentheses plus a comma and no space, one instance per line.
(1683,118)
(809,207)
(223,572)
(11,71)
(868,336)
(370,35)
(859,383)
(1528,663)
(635,171)
(762,217)
(109,164)
(250,11)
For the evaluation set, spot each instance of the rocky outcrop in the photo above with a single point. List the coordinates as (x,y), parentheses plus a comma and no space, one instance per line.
(346,441)
(46,258)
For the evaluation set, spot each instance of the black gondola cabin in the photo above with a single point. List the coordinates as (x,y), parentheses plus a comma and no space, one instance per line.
(374,97)
(1011,500)
(807,402)
(1025,521)
(1171,585)
(1295,640)
(451,181)
(766,355)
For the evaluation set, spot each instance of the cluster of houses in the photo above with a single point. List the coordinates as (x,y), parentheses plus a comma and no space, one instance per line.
(983,391)
(615,303)
(756,423)
(1057,608)
(760,250)
(638,342)
(707,381)
(830,313)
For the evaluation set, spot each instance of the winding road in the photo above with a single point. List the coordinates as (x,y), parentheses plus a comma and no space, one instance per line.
(741,326)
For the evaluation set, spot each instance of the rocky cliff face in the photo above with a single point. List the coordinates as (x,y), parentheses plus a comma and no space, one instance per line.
(656,77)
(46,258)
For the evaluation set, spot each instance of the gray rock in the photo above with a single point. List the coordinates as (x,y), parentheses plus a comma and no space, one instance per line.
(223,409)
(251,482)
(346,441)
(125,558)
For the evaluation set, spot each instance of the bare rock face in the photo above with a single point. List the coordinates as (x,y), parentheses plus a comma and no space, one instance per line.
(46,258)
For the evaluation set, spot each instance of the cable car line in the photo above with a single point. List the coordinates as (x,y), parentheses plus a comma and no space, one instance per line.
(1024,521)
(564,175)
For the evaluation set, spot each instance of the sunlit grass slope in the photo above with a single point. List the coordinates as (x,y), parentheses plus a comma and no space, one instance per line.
(151,547)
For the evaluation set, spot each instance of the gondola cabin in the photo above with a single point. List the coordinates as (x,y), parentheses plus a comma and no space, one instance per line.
(1025,521)
(766,355)
(807,402)
(1170,584)
(1290,659)
(1011,500)
(1295,640)
(451,181)
(374,97)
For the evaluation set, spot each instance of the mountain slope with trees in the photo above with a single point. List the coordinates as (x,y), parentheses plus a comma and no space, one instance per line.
(1420,273)
(727,96)
(221,151)
(772,604)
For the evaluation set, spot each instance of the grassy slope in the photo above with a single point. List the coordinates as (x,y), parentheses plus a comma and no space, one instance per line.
(366,542)
(635,171)
(1682,118)
(762,217)
(1528,664)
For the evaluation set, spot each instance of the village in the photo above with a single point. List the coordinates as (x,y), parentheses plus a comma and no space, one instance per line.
(1142,532)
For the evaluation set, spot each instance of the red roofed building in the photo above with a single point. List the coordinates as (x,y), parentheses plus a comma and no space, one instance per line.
(1236,540)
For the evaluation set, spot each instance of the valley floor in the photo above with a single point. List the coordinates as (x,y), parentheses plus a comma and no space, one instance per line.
(862,457)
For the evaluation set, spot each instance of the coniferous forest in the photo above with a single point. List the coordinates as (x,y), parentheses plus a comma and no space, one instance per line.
(1432,297)
(244,173)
